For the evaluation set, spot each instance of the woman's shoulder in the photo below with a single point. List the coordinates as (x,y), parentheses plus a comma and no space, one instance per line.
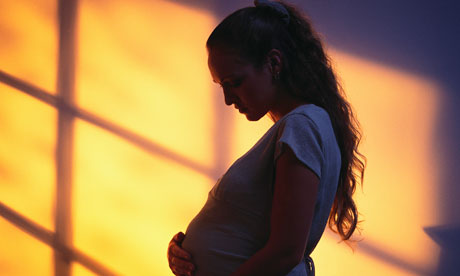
(309,112)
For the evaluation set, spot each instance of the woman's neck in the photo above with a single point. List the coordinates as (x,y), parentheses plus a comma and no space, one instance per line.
(284,106)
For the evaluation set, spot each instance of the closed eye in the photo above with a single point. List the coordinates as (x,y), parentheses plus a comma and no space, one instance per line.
(232,84)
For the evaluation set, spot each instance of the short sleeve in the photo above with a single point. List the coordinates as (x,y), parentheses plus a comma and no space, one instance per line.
(302,136)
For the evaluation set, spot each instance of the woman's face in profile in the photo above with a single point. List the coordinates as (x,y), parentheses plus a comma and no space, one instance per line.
(249,89)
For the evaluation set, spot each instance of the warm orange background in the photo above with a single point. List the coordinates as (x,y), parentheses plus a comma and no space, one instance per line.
(142,66)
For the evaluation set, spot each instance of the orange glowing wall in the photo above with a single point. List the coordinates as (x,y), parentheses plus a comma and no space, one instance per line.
(141,68)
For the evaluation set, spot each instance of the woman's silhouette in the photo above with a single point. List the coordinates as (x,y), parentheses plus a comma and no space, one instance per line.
(266,214)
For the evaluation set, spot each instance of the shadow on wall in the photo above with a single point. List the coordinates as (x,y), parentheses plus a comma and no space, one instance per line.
(448,239)
(413,35)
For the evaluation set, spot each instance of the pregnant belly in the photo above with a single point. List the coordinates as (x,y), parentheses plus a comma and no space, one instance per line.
(221,238)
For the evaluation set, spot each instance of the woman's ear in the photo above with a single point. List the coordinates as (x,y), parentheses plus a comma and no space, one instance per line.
(275,61)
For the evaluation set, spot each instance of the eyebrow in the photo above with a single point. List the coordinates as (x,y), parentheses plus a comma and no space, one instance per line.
(224,78)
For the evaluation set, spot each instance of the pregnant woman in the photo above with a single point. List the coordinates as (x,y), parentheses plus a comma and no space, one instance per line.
(266,214)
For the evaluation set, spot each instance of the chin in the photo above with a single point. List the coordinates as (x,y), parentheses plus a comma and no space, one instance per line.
(253,117)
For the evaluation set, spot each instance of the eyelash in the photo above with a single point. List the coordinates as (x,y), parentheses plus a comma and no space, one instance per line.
(231,85)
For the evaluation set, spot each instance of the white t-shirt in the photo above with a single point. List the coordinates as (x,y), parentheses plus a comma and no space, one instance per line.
(235,221)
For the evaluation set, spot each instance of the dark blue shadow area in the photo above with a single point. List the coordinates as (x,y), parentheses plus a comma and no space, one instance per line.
(449,240)
(417,36)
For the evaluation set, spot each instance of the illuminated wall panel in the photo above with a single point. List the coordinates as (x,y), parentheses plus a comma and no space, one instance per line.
(333,259)
(79,270)
(28,41)
(22,254)
(397,111)
(128,203)
(143,65)
(27,139)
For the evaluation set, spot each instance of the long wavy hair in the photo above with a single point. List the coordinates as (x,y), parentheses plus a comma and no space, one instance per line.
(308,75)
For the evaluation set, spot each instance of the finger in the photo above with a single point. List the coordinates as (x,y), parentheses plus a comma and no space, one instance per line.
(179,237)
(181,264)
(180,272)
(177,251)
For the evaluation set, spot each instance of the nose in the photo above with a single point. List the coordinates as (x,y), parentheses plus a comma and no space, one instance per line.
(229,99)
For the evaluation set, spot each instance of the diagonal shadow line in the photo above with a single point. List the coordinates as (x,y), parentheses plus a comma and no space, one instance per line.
(48,237)
(28,88)
(368,248)
(391,259)
(130,136)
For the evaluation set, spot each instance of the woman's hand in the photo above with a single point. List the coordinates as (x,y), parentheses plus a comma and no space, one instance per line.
(179,260)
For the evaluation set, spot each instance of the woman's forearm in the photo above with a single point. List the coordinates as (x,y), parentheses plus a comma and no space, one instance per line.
(266,262)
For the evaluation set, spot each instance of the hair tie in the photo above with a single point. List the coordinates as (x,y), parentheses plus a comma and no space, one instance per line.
(276,6)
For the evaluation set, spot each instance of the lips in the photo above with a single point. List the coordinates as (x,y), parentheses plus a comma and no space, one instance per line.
(240,109)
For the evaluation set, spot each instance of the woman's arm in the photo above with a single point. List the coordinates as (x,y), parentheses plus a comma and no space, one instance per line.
(296,188)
